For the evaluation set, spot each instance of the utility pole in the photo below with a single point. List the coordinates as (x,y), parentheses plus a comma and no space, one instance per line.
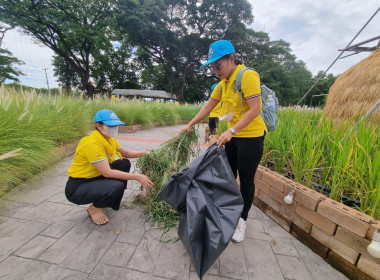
(47,81)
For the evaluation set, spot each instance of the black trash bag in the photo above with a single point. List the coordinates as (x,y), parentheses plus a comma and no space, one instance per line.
(209,200)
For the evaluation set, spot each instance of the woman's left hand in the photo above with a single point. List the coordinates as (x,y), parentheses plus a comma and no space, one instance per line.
(224,138)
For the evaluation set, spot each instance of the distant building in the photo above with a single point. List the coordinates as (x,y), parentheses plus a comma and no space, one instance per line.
(144,93)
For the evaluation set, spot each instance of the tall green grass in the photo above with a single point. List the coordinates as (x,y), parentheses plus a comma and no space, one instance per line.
(34,124)
(311,150)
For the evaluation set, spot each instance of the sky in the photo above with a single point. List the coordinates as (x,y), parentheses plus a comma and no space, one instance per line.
(316,30)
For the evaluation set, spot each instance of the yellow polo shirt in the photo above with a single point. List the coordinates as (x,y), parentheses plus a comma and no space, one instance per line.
(88,152)
(250,86)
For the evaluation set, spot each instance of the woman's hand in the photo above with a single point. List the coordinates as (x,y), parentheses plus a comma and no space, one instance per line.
(145,181)
(224,138)
(187,129)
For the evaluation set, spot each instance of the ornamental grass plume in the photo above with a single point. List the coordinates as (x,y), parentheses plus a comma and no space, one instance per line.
(159,165)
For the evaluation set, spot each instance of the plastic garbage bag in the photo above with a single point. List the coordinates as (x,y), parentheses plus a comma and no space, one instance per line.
(209,200)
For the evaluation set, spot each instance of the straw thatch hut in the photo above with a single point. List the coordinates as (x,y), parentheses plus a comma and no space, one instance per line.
(356,91)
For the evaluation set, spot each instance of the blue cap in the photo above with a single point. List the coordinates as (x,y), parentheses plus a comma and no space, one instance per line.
(213,86)
(107,117)
(217,50)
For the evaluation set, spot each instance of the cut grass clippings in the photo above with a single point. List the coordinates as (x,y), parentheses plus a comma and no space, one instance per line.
(159,165)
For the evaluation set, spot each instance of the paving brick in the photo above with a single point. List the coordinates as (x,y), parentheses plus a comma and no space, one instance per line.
(347,268)
(232,263)
(35,247)
(65,245)
(284,246)
(355,242)
(316,219)
(21,268)
(338,247)
(292,216)
(57,230)
(293,268)
(170,254)
(279,219)
(13,240)
(274,180)
(89,252)
(303,195)
(342,217)
(262,262)
(369,267)
(309,241)
(102,272)
(260,185)
(147,252)
(118,254)
(268,200)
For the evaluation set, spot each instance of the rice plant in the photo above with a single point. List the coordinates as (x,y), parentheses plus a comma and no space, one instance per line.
(341,163)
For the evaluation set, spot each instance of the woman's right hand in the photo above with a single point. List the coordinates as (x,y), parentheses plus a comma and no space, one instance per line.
(187,129)
(145,181)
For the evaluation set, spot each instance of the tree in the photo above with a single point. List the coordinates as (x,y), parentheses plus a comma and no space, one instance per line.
(317,96)
(72,29)
(115,67)
(7,60)
(177,33)
(7,66)
(65,73)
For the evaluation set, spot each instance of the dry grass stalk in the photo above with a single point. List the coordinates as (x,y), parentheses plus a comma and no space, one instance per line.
(355,91)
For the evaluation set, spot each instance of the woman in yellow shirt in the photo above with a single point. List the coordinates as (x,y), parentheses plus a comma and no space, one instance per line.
(95,175)
(244,139)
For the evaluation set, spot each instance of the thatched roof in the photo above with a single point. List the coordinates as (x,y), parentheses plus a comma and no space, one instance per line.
(145,93)
(356,91)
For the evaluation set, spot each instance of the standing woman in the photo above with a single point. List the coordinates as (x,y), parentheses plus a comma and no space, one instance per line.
(244,139)
(95,175)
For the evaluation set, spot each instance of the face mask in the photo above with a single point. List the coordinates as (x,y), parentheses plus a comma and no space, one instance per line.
(227,117)
(110,131)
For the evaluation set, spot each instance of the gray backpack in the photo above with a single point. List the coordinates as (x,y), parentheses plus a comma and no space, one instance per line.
(270,101)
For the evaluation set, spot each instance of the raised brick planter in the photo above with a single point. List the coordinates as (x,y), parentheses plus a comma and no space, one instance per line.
(331,229)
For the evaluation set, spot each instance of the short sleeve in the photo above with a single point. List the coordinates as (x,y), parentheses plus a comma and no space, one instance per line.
(94,152)
(216,94)
(250,84)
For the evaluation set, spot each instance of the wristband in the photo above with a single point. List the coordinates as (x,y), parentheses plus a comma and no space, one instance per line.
(232,131)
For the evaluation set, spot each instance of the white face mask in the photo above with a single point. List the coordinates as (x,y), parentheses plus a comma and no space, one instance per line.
(227,117)
(110,131)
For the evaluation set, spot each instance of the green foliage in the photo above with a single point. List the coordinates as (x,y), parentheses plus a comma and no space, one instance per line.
(159,165)
(309,149)
(7,66)
(37,123)
(72,29)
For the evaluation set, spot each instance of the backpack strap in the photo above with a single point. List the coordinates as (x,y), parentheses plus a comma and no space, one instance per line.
(238,79)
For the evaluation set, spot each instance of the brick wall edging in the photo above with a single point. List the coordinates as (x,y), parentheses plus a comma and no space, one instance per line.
(333,230)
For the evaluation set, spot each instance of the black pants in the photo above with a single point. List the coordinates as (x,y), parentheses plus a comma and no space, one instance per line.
(213,124)
(100,191)
(244,155)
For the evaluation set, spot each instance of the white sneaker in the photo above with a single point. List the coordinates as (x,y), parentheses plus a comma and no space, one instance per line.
(240,231)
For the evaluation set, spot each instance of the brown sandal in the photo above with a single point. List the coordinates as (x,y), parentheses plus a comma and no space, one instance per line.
(97,221)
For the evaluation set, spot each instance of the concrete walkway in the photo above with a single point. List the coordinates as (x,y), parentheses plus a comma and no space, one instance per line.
(43,236)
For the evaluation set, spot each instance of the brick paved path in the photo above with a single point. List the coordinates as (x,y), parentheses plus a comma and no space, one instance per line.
(43,236)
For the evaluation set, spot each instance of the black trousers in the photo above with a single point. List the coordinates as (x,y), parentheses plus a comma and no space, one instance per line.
(244,155)
(213,124)
(100,191)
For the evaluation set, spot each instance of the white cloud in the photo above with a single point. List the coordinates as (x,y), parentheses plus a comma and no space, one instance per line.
(317,29)
(35,56)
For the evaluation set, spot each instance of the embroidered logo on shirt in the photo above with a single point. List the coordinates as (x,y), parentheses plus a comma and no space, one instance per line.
(98,155)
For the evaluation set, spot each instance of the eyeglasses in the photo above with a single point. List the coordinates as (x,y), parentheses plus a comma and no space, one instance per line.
(216,68)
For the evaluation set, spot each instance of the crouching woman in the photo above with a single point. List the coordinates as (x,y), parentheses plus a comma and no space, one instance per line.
(96,177)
